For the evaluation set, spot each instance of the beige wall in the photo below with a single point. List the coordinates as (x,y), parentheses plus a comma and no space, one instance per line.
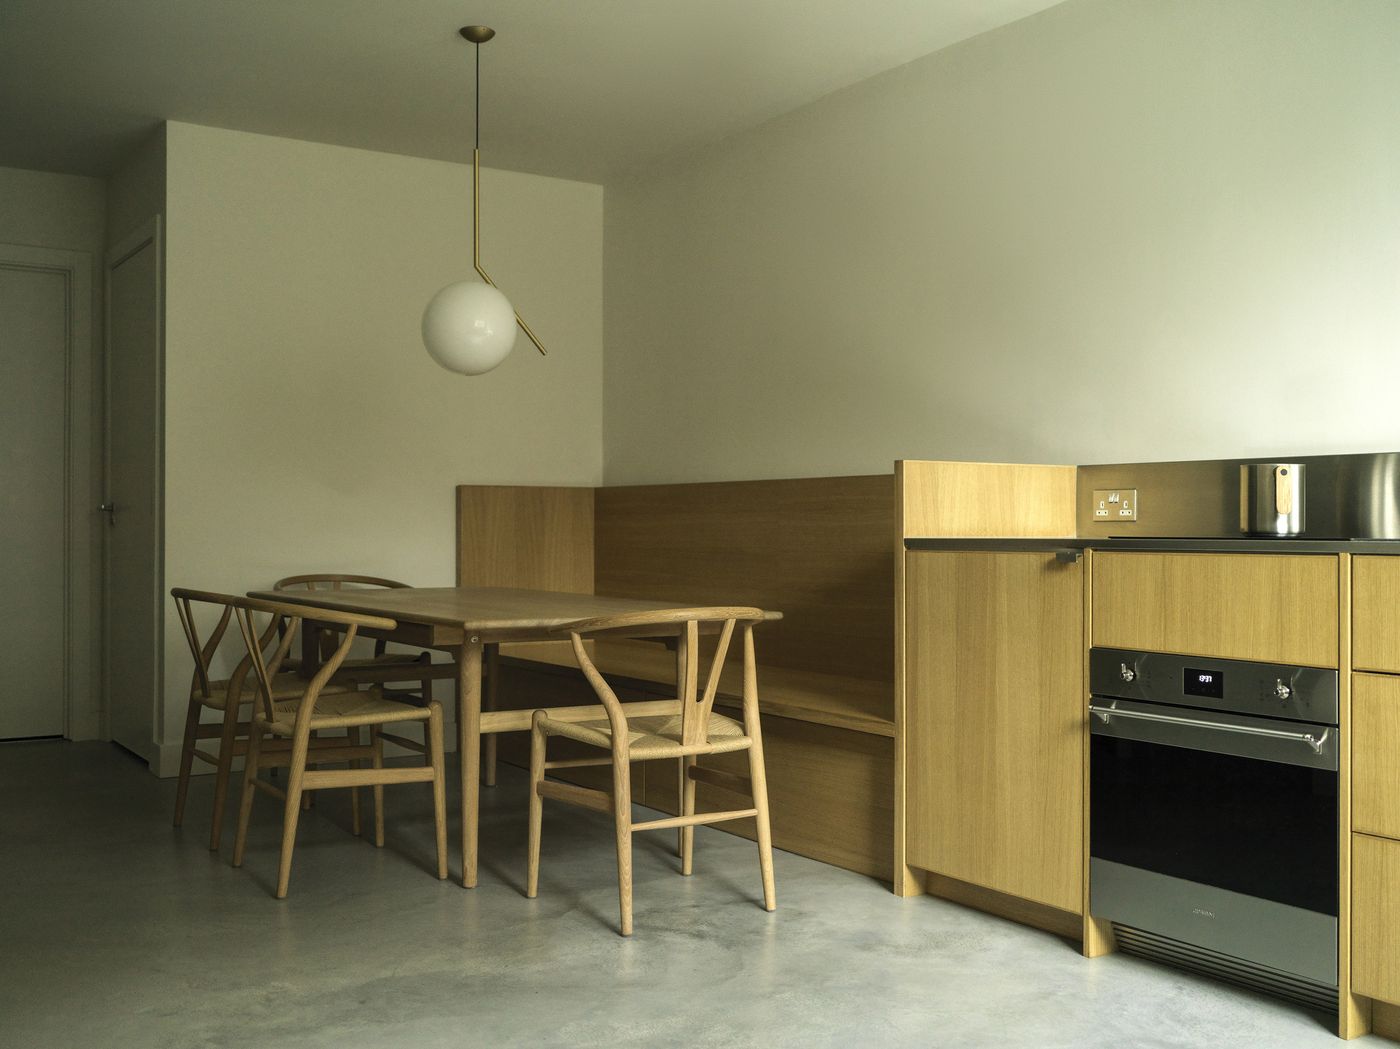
(41,209)
(45,210)
(306,427)
(136,189)
(1118,230)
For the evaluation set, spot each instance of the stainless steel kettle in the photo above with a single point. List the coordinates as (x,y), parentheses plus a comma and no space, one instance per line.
(1271,498)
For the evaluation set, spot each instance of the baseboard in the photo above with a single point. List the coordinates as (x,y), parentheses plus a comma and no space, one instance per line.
(1068,924)
(167,761)
(1385,1020)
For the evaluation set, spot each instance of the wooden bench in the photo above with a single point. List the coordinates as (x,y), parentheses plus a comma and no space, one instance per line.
(819,550)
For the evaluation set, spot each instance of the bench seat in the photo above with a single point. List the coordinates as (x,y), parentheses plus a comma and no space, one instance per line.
(857,704)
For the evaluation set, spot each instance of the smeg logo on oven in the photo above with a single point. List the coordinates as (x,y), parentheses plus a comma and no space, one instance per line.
(1202,912)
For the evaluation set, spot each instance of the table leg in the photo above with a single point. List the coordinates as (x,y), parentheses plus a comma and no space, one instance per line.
(469,750)
(685,783)
(310,642)
(493,684)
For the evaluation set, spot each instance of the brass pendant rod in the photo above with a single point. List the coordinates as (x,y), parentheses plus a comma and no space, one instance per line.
(476,207)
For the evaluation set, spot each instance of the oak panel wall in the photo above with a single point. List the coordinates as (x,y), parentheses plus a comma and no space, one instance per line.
(986,500)
(534,537)
(816,549)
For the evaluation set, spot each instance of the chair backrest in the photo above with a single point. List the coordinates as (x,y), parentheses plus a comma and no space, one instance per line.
(203,651)
(685,624)
(337,581)
(334,581)
(284,621)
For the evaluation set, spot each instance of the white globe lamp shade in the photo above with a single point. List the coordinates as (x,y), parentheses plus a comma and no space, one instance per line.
(469,327)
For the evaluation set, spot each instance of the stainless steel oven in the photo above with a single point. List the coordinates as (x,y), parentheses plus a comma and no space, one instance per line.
(1213,816)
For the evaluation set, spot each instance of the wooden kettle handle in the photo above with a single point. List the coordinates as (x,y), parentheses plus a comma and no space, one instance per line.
(1283,490)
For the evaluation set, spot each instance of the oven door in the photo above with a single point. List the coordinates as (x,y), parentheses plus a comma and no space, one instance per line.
(1218,830)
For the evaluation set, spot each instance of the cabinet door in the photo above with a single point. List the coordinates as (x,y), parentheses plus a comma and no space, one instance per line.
(994,720)
(1375,754)
(1375,917)
(1375,629)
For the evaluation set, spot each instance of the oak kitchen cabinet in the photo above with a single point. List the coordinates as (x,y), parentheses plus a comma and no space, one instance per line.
(992,632)
(1375,851)
(994,721)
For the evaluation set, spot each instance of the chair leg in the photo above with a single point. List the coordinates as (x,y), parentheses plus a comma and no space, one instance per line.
(532,863)
(759,779)
(222,774)
(435,757)
(427,684)
(352,739)
(186,758)
(622,820)
(309,796)
(686,835)
(377,742)
(245,801)
(291,811)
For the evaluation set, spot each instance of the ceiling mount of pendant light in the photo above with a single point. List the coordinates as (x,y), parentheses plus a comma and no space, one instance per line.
(469,326)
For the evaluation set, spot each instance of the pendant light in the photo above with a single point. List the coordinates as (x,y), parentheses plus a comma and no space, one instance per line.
(469,326)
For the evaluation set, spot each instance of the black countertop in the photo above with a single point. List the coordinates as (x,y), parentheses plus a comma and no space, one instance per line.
(1215,546)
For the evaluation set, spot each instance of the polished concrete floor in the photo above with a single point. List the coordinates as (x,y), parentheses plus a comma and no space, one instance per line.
(116,930)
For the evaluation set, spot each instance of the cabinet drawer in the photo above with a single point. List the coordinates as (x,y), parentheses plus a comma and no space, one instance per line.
(1375,917)
(1375,604)
(1277,608)
(1375,754)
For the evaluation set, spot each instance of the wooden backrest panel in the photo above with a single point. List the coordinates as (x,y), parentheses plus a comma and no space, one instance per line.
(816,549)
(538,538)
(985,500)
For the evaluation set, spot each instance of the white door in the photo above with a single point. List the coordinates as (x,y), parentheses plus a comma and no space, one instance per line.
(34,325)
(132,620)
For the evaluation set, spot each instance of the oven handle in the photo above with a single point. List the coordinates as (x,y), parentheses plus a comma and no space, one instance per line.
(1106,714)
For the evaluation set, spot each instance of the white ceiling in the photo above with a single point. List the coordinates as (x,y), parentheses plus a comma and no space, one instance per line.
(582,89)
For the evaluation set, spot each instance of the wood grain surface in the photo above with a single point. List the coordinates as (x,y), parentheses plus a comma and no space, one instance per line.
(994,720)
(986,500)
(489,611)
(1375,754)
(1375,917)
(1376,613)
(535,538)
(1276,608)
(816,549)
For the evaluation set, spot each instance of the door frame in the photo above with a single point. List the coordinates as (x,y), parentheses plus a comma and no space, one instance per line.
(149,232)
(82,706)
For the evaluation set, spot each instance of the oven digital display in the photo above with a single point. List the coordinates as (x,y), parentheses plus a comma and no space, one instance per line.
(1209,683)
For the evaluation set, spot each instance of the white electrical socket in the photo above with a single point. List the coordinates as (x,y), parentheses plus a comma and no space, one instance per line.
(1115,504)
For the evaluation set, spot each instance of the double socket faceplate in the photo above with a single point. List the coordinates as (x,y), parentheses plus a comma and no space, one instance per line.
(1115,504)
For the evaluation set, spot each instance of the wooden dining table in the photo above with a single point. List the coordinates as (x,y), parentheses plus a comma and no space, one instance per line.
(465,621)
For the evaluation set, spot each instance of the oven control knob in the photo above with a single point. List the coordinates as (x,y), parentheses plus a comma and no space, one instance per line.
(1127,672)
(1282,691)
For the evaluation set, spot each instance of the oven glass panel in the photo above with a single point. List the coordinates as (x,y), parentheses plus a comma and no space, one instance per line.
(1255,827)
